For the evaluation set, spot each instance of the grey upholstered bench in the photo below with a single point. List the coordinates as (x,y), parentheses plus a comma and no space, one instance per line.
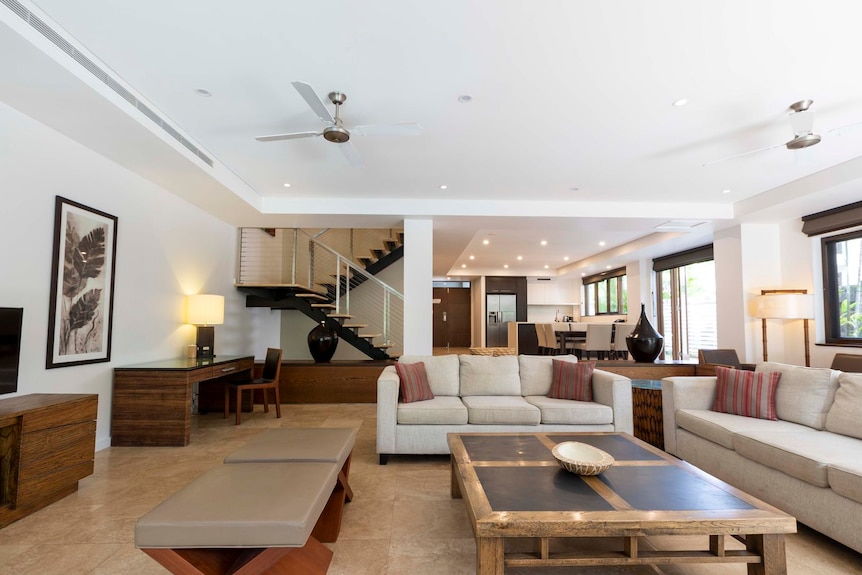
(243,519)
(333,445)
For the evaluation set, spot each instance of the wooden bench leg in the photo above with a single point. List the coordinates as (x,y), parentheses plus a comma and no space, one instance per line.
(312,559)
(328,525)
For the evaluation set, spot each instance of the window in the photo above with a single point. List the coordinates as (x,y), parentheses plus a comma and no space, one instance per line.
(842,283)
(686,310)
(606,293)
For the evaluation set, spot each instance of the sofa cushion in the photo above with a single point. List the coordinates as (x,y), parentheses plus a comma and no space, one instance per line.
(488,375)
(413,382)
(804,455)
(572,381)
(442,371)
(501,410)
(536,372)
(845,415)
(804,394)
(442,410)
(746,393)
(566,411)
(721,427)
(846,479)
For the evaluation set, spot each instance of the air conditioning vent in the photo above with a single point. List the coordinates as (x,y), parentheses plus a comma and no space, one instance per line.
(40,26)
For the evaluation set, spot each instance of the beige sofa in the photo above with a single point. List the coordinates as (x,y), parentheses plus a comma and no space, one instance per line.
(492,394)
(807,463)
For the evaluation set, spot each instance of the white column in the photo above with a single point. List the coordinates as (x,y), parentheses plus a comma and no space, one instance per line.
(418,288)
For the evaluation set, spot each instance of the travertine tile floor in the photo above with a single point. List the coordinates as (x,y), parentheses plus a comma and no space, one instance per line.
(401,522)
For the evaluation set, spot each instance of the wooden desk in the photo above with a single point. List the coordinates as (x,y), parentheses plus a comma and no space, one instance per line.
(153,401)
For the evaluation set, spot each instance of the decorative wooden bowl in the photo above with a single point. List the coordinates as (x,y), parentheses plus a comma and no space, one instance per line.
(581,458)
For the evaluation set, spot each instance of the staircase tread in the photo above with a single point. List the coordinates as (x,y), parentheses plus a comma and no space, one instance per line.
(312,295)
(384,346)
(324,305)
(369,335)
(337,315)
(354,325)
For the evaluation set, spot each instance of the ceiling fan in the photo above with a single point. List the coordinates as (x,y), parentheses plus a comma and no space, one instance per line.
(802,123)
(335,131)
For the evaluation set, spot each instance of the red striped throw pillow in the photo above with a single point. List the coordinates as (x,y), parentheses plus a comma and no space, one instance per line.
(414,382)
(572,380)
(747,393)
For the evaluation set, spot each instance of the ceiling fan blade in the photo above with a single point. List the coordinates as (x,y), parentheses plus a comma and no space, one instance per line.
(846,128)
(311,98)
(351,154)
(741,155)
(292,136)
(387,130)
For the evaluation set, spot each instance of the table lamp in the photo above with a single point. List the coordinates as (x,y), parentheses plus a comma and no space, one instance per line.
(785,304)
(205,311)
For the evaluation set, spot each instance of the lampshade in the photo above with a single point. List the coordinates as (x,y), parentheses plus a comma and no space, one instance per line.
(205,309)
(784,306)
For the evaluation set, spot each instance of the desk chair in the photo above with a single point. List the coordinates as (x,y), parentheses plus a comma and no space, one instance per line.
(268,380)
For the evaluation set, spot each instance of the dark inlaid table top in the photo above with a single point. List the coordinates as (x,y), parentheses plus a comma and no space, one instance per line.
(513,486)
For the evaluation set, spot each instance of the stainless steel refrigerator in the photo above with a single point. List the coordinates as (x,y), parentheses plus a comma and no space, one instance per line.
(500,308)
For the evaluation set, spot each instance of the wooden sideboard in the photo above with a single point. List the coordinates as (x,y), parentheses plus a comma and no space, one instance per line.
(47,444)
(153,401)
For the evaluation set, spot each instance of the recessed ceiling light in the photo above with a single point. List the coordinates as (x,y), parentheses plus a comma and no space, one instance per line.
(680,102)
(486,242)
(583,274)
(565,258)
(506,266)
(725,191)
(463,265)
(547,266)
(472,257)
(544,242)
(286,185)
(443,187)
(607,267)
(520,258)
(204,93)
(465,98)
(601,243)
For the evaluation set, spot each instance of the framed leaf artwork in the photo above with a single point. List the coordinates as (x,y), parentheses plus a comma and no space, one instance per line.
(82,289)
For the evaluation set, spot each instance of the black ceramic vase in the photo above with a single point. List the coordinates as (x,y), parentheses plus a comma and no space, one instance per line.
(644,343)
(322,341)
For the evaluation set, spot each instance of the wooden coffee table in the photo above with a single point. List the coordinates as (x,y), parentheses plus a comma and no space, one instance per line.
(513,487)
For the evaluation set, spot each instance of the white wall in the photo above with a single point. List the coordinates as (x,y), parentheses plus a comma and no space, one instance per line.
(418,286)
(166,248)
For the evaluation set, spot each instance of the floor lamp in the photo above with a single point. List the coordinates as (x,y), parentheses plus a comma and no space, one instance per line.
(785,304)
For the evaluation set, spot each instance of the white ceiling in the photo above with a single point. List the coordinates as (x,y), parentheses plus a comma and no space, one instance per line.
(571,135)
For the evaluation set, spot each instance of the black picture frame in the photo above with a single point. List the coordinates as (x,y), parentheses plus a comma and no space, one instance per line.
(80,316)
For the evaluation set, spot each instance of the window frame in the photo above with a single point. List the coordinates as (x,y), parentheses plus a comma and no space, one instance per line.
(600,282)
(831,310)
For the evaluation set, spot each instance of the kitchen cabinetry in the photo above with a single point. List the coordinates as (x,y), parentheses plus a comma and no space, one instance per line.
(47,444)
(551,293)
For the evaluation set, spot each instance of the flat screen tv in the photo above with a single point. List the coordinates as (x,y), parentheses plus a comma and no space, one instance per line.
(10,347)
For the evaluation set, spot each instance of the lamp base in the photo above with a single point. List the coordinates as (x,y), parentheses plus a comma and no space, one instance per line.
(205,341)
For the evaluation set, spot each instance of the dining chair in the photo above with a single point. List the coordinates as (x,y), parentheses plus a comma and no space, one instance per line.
(540,336)
(551,338)
(598,340)
(268,380)
(621,332)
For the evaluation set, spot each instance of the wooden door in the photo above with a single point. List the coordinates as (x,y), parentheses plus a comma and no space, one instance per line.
(452,317)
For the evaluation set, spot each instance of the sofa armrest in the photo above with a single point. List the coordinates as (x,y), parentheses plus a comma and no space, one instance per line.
(387,409)
(615,391)
(683,393)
